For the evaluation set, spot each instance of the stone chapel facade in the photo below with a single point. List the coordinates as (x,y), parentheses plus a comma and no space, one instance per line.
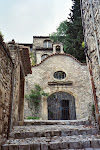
(64,78)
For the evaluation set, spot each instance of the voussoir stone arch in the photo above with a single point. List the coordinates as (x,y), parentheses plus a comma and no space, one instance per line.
(61,106)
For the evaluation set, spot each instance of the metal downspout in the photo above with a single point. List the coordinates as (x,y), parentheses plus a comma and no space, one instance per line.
(94,94)
(95,32)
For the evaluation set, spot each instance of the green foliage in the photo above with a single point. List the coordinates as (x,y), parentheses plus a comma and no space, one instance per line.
(37,118)
(32,57)
(70,33)
(93,110)
(35,96)
(83,44)
(1,35)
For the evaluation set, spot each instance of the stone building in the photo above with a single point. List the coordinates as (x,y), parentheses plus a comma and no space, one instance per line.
(43,47)
(6,67)
(64,78)
(14,66)
(91,25)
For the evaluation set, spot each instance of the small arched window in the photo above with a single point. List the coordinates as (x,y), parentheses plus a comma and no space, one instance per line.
(57,49)
(44,56)
(47,44)
(59,75)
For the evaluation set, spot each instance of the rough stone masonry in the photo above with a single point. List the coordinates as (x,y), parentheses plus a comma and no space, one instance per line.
(11,85)
(6,66)
(91,25)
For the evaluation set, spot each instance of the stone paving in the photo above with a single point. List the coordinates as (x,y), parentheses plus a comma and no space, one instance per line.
(60,135)
(57,122)
(51,130)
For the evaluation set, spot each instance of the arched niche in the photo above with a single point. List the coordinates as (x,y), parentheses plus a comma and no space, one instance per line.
(58,49)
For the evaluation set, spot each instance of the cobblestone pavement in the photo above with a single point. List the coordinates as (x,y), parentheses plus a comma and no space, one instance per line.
(57,136)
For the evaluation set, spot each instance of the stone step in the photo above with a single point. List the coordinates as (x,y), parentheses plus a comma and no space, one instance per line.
(19,132)
(54,143)
(56,122)
(82,149)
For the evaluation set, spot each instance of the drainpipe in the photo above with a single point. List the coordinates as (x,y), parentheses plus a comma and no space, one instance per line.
(11,103)
(97,46)
(93,85)
(94,94)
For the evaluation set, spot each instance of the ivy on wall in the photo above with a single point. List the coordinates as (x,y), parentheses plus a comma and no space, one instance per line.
(32,58)
(1,36)
(35,97)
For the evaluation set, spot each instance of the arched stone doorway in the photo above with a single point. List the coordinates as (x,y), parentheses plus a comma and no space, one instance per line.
(61,106)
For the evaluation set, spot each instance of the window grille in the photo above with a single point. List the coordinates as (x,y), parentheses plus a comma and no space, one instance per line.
(47,44)
(60,75)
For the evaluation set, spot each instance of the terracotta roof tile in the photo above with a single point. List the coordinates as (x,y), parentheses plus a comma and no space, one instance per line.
(59,54)
(26,60)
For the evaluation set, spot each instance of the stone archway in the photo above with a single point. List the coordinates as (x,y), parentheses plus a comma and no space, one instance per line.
(61,106)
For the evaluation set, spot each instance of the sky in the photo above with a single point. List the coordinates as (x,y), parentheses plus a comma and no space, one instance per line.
(22,19)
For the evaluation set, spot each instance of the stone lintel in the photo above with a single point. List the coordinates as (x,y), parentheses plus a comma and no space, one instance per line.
(68,83)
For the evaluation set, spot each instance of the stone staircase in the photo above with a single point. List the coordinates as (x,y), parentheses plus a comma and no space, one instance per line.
(54,135)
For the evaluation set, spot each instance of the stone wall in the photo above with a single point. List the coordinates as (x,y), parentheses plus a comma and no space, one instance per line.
(76,73)
(38,48)
(6,68)
(91,25)
(14,52)
(38,41)
(40,53)
(14,65)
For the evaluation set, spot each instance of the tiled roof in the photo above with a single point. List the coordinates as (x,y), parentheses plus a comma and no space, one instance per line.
(41,37)
(59,54)
(43,48)
(26,60)
(26,44)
